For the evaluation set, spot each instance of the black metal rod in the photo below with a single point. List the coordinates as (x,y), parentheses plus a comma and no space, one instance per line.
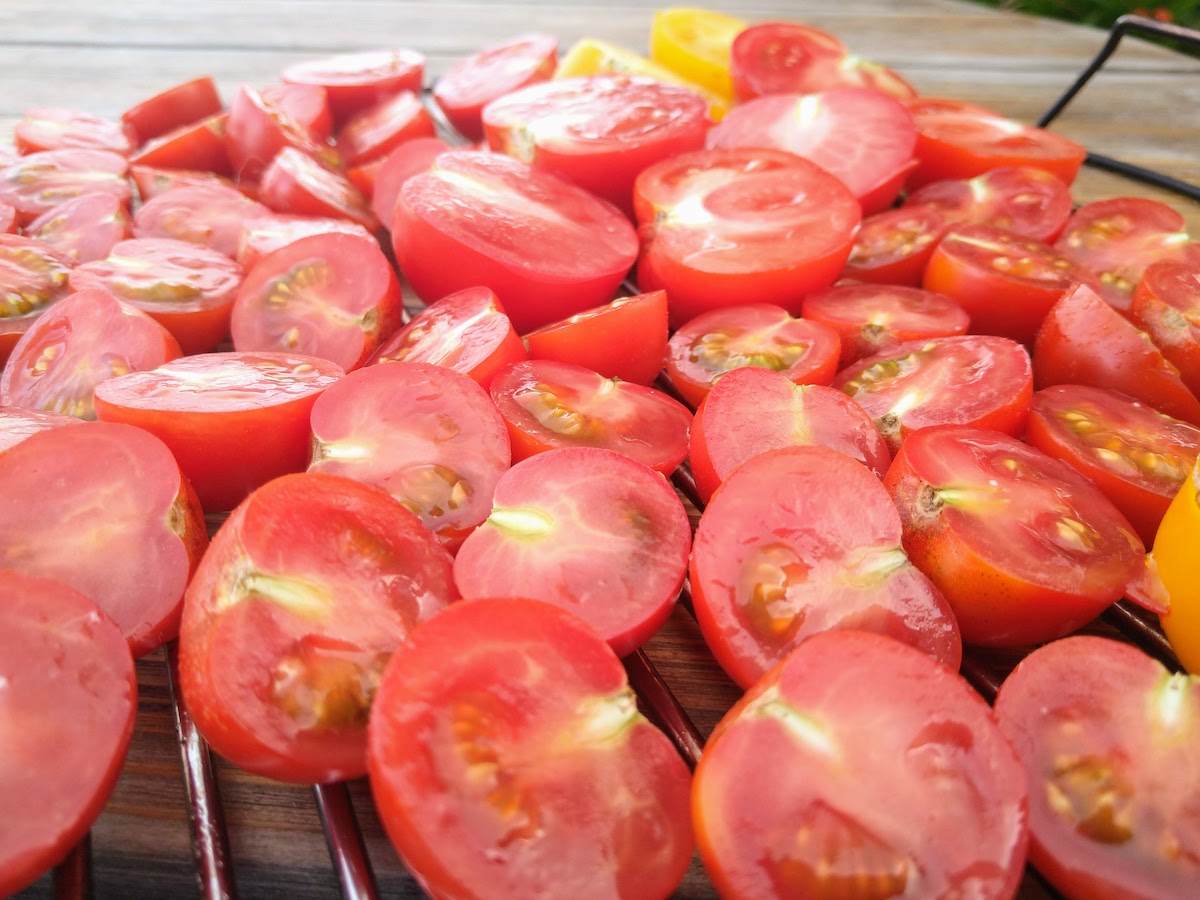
(665,707)
(346,848)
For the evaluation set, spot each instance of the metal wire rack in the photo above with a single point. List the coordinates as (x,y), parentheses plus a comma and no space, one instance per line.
(215,877)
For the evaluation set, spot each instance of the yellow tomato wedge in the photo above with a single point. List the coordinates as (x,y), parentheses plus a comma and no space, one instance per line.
(589,56)
(1177,552)
(695,43)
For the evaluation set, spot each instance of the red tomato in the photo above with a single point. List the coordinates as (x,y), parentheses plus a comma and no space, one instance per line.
(589,530)
(213,409)
(356,81)
(751,225)
(1138,457)
(548,404)
(8,219)
(498,69)
(32,277)
(1025,200)
(329,295)
(173,108)
(863,137)
(427,435)
(187,288)
(296,183)
(546,247)
(84,229)
(802,540)
(751,410)
(104,508)
(721,340)
(258,130)
(893,247)
(467,331)
(379,129)
(36,183)
(872,318)
(56,128)
(962,140)
(17,423)
(271,231)
(209,215)
(70,696)
(518,726)
(306,104)
(308,588)
(151,181)
(1166,304)
(79,342)
(200,146)
(625,339)
(410,158)
(810,785)
(1108,740)
(1117,239)
(598,131)
(1085,341)
(1024,547)
(1006,283)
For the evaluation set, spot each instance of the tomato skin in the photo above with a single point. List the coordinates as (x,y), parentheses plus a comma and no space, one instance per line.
(1179,567)
(811,750)
(410,158)
(893,247)
(1107,738)
(355,81)
(379,129)
(589,786)
(173,108)
(1011,583)
(1085,341)
(200,146)
(70,699)
(1165,306)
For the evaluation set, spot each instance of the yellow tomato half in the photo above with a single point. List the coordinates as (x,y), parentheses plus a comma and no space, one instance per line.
(695,43)
(1177,552)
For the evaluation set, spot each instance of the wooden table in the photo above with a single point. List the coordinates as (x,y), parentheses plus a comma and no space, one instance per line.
(104,56)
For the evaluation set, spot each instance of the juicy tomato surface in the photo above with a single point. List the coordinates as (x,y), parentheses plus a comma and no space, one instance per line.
(1025,548)
(177,106)
(151,181)
(410,158)
(70,696)
(1166,305)
(1179,568)
(18,423)
(212,410)
(840,744)
(426,434)
(380,129)
(103,507)
(297,183)
(822,553)
(358,80)
(210,215)
(516,723)
(1108,738)
(259,128)
(696,44)
(308,588)
(893,247)
(36,183)
(548,404)
(83,229)
(200,146)
(1030,202)
(262,234)
(586,529)
(33,276)
(56,128)
(751,410)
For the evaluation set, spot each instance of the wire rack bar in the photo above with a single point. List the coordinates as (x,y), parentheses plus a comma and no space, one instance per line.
(665,707)
(73,876)
(346,848)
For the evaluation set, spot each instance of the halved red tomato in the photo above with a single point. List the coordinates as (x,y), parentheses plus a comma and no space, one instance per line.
(258,129)
(356,81)
(8,219)
(1027,201)
(209,215)
(32,277)
(893,247)
(308,588)
(57,128)
(84,229)
(173,108)
(1109,742)
(407,160)
(548,405)
(70,697)
(809,785)
(35,184)
(1024,547)
(377,130)
(297,183)
(1166,305)
(514,722)
(151,181)
(589,530)
(271,231)
(199,146)
(306,104)
(18,423)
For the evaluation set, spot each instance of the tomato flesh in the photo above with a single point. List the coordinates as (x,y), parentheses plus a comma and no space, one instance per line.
(1166,305)
(893,247)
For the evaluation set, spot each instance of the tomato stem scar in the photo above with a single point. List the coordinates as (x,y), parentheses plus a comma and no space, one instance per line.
(804,728)
(604,719)
(297,596)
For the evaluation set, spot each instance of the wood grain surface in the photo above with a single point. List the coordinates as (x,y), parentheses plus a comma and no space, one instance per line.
(105,55)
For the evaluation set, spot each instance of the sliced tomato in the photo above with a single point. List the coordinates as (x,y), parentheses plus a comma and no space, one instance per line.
(514,722)
(862,136)
(1166,305)
(498,69)
(210,215)
(410,158)
(103,507)
(1025,548)
(1108,740)
(306,104)
(32,277)
(88,337)
(893,247)
(259,129)
(308,588)
(270,231)
(296,183)
(356,81)
(546,247)
(173,108)
(18,423)
(599,131)
(1179,568)
(427,435)
(187,288)
(977,380)
(1027,201)
(84,229)
(871,318)
(212,410)
(8,219)
(57,128)
(722,228)
(199,146)
(807,788)
(70,697)
(151,181)
(379,129)
(625,339)
(1085,341)
(35,184)
(548,405)
(752,410)
(589,530)
(695,43)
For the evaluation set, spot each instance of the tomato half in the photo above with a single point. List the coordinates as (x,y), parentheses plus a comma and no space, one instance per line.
(427,435)
(1166,305)
(209,215)
(893,247)
(548,404)
(173,108)
(809,785)
(18,423)
(410,158)
(1108,739)
(263,234)
(308,588)
(259,128)
(200,146)
(57,128)
(297,183)
(33,276)
(587,529)
(514,722)
(1179,568)
(379,129)
(1025,548)
(355,81)
(36,183)
(84,229)
(70,697)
